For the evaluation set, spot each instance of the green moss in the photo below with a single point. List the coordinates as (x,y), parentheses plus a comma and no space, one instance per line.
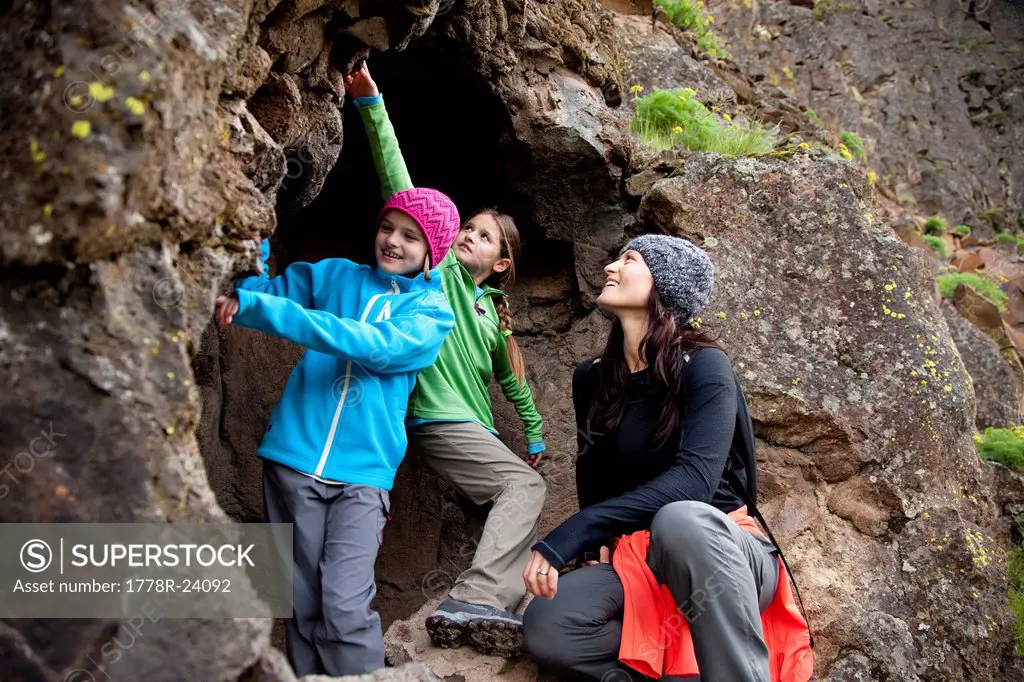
(820,7)
(938,244)
(854,144)
(1007,238)
(961,230)
(1005,446)
(987,289)
(935,225)
(675,118)
(690,16)
(1016,571)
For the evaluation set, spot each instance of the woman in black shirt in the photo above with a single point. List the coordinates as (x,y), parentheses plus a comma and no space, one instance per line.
(656,417)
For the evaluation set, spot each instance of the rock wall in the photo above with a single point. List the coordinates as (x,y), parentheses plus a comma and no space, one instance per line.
(150,145)
(933,89)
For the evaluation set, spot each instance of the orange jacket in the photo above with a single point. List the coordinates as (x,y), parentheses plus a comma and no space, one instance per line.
(656,638)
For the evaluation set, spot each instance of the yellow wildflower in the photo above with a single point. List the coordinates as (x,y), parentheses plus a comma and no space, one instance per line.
(727,117)
(677,130)
(845,153)
(636,88)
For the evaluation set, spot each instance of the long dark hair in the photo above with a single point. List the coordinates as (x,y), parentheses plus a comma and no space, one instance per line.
(663,349)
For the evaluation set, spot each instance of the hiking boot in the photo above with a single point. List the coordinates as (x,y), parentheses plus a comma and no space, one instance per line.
(491,630)
(499,633)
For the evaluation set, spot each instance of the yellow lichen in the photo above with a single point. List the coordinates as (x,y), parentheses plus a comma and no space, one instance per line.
(47,210)
(145,77)
(135,106)
(58,72)
(81,129)
(100,92)
(721,314)
(38,155)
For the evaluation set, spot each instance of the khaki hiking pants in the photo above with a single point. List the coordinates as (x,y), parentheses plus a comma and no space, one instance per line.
(479,466)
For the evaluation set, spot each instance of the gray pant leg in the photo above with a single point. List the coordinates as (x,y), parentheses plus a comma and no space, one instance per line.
(348,637)
(290,497)
(579,631)
(722,578)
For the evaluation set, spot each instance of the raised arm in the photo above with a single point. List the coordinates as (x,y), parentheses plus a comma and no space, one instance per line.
(404,343)
(387,156)
(296,283)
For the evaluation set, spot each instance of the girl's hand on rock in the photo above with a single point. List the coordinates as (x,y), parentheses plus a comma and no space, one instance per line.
(226,309)
(359,84)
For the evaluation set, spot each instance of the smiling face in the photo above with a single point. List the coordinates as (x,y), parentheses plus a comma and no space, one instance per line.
(478,247)
(400,247)
(629,285)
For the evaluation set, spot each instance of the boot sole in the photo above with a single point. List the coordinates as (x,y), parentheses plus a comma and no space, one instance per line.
(445,632)
(496,638)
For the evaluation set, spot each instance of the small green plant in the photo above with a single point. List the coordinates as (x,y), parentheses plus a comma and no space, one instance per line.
(961,230)
(854,144)
(813,115)
(1007,238)
(1016,570)
(1005,446)
(820,7)
(938,244)
(935,225)
(675,118)
(689,15)
(907,200)
(987,289)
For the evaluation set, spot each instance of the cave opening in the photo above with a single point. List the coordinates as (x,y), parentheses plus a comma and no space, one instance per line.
(456,135)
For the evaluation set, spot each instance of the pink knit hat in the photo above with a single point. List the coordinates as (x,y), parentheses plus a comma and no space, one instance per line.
(433,212)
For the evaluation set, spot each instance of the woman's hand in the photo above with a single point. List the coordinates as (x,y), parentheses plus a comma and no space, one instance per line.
(359,84)
(534,460)
(540,577)
(605,557)
(226,308)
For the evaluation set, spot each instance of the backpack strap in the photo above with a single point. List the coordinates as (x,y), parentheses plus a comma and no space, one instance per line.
(748,491)
(737,485)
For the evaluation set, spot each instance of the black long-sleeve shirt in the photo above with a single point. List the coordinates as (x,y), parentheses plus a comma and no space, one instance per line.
(622,480)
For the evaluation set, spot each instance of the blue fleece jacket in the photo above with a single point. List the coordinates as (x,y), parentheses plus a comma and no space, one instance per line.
(341,417)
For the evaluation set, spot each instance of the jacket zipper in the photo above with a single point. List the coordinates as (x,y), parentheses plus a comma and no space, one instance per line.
(344,390)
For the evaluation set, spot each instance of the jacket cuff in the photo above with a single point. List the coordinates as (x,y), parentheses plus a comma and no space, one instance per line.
(368,101)
(244,300)
(536,448)
(549,553)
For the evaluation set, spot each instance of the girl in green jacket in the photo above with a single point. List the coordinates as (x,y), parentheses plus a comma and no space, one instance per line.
(449,421)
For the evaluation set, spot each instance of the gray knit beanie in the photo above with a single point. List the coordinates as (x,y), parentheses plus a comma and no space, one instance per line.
(683,273)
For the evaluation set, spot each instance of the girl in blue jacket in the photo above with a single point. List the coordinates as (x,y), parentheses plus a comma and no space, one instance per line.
(337,436)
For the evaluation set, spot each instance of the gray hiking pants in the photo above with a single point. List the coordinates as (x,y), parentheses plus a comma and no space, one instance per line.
(721,577)
(337,533)
(479,466)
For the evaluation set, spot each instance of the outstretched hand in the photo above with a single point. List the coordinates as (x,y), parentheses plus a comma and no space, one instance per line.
(225,310)
(359,84)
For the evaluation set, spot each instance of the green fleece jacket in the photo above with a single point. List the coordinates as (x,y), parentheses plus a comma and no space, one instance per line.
(455,387)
